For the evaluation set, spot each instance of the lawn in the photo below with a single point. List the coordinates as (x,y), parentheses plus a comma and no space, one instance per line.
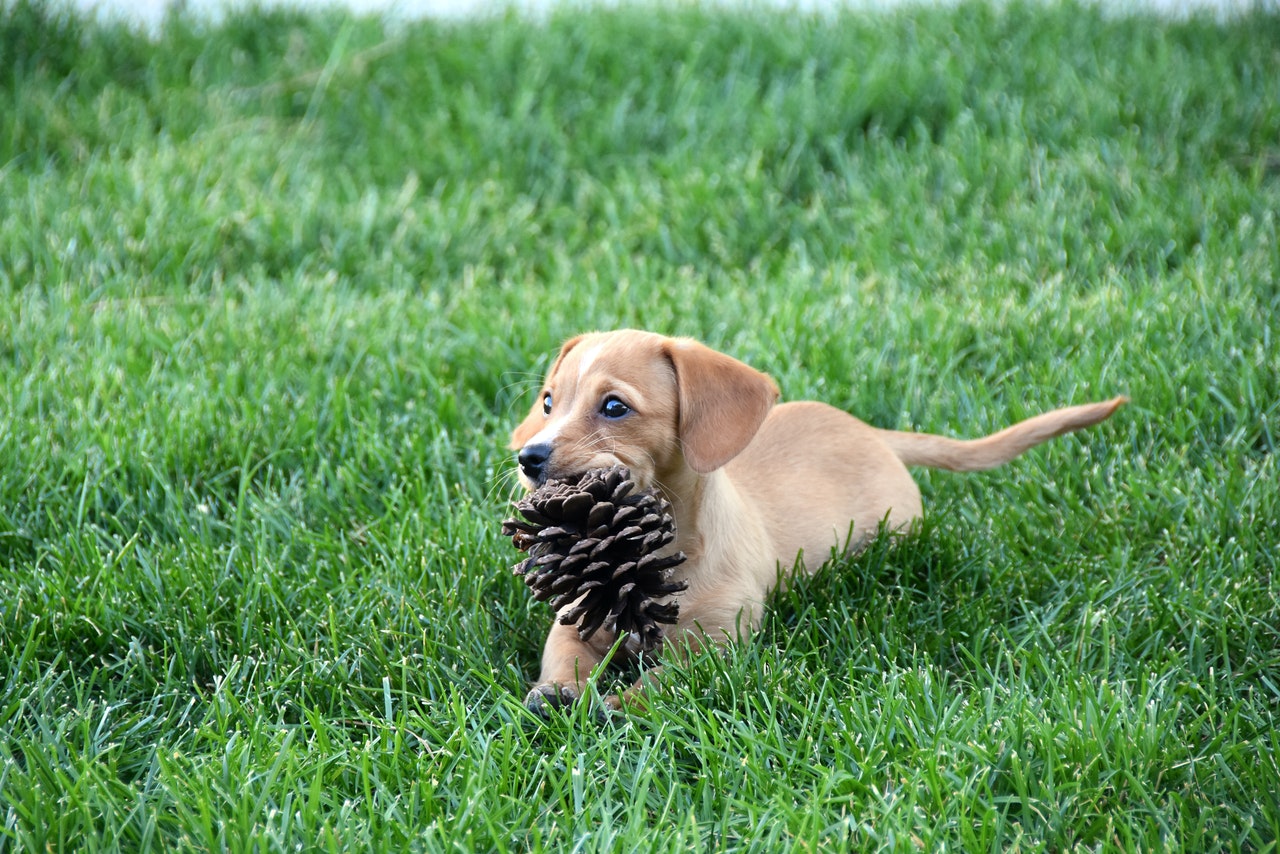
(274,290)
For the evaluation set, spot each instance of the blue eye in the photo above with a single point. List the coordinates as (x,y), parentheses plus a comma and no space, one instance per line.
(614,408)
(546,404)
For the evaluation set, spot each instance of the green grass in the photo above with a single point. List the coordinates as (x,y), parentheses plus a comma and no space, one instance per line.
(273,291)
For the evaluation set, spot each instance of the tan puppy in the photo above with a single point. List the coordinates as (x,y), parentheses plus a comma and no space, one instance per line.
(743,476)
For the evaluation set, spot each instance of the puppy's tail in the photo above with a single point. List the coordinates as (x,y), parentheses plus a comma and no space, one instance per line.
(923,449)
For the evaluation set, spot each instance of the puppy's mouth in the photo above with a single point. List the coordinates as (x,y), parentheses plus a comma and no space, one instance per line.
(536,476)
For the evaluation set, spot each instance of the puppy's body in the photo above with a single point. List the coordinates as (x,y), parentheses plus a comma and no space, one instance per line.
(754,487)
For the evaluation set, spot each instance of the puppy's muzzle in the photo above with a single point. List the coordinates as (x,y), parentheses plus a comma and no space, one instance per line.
(533,461)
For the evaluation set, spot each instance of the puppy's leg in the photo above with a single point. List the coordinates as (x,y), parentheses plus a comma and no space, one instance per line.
(567,662)
(635,698)
(691,635)
(653,680)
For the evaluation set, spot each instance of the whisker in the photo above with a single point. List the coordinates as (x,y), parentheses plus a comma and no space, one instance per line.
(523,385)
(521,380)
(593,440)
(503,480)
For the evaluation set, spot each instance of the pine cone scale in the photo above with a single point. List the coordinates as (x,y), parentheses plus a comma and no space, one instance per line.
(593,544)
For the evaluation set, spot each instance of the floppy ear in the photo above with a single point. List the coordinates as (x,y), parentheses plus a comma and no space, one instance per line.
(722,403)
(532,423)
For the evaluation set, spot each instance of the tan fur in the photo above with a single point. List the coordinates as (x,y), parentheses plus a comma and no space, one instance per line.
(754,486)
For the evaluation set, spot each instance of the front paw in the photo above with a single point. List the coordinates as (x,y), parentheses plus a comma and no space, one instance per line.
(543,699)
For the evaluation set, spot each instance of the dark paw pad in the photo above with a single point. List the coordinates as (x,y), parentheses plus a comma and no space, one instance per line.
(545,698)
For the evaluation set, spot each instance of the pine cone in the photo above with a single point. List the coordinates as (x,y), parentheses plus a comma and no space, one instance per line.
(594,541)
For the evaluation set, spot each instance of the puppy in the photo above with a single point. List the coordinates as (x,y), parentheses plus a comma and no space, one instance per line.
(754,486)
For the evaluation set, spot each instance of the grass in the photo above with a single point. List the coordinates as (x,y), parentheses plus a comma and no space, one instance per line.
(273,290)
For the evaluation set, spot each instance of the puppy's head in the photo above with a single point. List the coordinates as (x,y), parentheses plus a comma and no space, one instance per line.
(651,403)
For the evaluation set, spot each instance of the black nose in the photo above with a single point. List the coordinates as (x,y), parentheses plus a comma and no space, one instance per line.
(533,461)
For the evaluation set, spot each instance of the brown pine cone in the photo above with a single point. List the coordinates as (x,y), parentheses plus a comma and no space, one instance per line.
(594,541)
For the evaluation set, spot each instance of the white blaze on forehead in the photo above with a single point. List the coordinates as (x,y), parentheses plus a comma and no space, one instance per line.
(587,358)
(551,431)
(546,436)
